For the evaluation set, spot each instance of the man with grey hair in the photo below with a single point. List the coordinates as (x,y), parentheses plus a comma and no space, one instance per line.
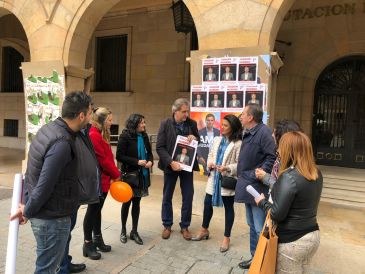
(178,124)
(257,151)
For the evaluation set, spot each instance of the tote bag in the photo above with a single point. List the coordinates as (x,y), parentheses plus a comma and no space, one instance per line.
(264,260)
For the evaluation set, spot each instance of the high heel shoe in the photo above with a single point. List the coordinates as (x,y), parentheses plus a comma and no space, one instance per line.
(201,236)
(134,236)
(224,247)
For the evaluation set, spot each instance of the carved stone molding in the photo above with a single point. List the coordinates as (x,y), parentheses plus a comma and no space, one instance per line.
(49,8)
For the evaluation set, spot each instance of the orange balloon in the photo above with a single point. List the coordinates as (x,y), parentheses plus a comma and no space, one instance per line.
(121,192)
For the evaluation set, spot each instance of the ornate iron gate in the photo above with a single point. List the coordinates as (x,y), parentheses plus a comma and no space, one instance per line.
(339,114)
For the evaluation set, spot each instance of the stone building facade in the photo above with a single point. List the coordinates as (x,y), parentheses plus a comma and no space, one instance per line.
(309,35)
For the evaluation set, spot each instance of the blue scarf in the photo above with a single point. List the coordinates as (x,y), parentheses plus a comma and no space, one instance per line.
(217,197)
(142,156)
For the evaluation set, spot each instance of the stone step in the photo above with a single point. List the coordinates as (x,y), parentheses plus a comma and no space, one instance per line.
(337,201)
(344,194)
(344,186)
(348,182)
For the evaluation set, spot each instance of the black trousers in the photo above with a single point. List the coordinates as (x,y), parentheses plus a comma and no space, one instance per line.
(135,201)
(228,202)
(187,192)
(92,220)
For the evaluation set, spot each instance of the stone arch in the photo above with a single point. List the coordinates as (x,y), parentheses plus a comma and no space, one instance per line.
(307,76)
(272,22)
(83,26)
(19,45)
(14,8)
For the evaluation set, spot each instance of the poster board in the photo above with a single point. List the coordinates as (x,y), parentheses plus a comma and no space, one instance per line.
(44,90)
(227,85)
(185,152)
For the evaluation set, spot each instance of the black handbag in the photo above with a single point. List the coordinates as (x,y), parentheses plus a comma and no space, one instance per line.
(131,178)
(229,182)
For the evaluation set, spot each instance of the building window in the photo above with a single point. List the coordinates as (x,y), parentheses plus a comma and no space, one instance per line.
(111,63)
(114,132)
(12,80)
(11,127)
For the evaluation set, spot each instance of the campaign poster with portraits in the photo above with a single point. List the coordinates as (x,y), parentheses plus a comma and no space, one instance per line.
(185,152)
(216,97)
(256,94)
(234,98)
(247,70)
(209,128)
(210,74)
(228,69)
(199,97)
(44,90)
(228,85)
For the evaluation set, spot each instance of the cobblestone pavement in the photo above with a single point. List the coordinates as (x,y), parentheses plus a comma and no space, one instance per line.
(342,246)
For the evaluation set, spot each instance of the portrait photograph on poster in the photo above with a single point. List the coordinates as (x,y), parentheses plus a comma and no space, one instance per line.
(210,73)
(247,72)
(216,99)
(198,99)
(255,97)
(209,128)
(185,152)
(234,99)
(228,72)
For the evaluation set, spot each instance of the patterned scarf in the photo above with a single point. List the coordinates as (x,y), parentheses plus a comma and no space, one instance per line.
(217,197)
(142,156)
(275,168)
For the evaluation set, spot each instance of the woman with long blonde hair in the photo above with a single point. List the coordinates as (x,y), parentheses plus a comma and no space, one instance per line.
(295,196)
(101,122)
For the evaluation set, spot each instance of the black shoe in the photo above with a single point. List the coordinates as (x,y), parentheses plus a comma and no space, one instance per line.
(134,236)
(100,245)
(89,250)
(123,237)
(245,264)
(76,268)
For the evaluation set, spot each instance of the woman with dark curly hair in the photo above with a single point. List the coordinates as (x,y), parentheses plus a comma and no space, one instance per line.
(222,161)
(135,154)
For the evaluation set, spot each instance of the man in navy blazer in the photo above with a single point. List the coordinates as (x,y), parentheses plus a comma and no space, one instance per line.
(178,124)
(207,135)
(257,151)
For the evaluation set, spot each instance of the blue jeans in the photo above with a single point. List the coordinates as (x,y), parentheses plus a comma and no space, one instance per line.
(187,192)
(65,263)
(51,236)
(255,217)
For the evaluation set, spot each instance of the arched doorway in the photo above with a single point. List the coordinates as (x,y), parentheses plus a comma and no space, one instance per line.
(339,114)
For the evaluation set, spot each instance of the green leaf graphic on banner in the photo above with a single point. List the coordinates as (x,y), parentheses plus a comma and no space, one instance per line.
(54,77)
(32,79)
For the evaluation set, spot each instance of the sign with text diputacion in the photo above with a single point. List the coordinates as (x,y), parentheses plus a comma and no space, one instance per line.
(228,84)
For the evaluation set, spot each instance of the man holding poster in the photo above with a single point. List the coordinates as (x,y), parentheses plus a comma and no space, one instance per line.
(178,124)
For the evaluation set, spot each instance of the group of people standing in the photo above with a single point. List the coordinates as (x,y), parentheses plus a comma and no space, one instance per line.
(70,162)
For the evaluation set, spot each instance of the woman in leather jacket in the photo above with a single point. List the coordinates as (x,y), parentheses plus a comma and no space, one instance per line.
(135,154)
(295,196)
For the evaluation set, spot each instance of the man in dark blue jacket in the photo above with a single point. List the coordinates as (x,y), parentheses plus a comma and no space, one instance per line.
(257,151)
(89,178)
(51,186)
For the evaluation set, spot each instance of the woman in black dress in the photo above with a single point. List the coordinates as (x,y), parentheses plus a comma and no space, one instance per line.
(134,153)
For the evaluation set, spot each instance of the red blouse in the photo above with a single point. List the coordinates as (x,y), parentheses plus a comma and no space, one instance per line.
(105,158)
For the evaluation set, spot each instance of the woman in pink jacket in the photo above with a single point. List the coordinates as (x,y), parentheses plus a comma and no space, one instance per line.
(100,137)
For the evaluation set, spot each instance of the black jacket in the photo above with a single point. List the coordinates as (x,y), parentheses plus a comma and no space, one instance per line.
(166,140)
(127,150)
(51,188)
(88,169)
(295,202)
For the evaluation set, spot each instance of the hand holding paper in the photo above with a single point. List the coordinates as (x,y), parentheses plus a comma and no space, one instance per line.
(252,191)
